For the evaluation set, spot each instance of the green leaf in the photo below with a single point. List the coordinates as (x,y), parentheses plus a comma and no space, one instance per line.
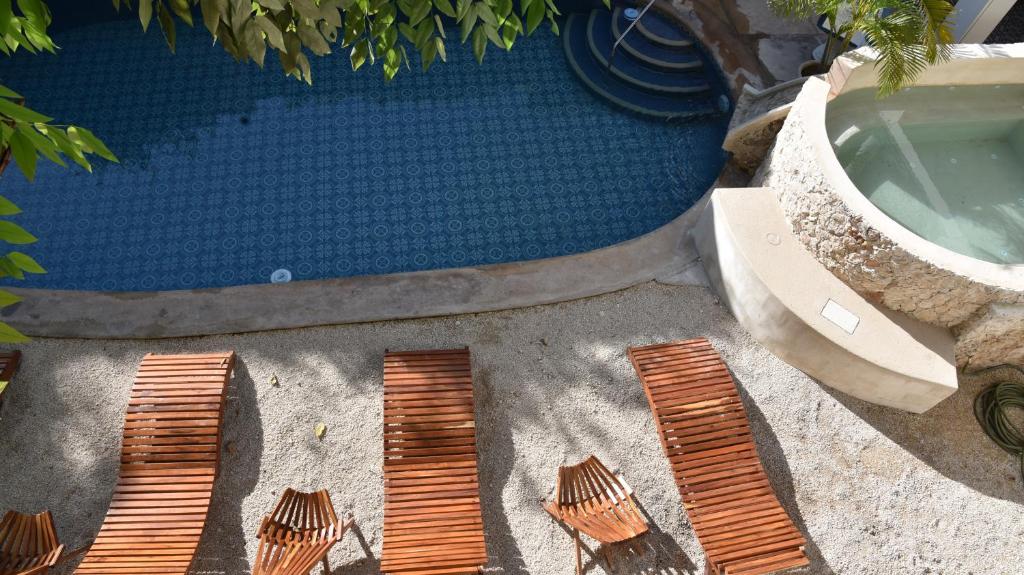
(312,39)
(508,35)
(446,8)
(12,233)
(7,207)
(166,24)
(26,262)
(306,9)
(428,53)
(440,26)
(420,11)
(504,8)
(6,14)
(3,386)
(33,9)
(19,112)
(274,5)
(8,269)
(467,24)
(486,14)
(423,33)
(24,155)
(254,43)
(6,92)
(10,335)
(440,49)
(272,32)
(479,44)
(462,8)
(359,54)
(43,145)
(91,142)
(408,32)
(303,64)
(534,16)
(183,9)
(70,149)
(145,13)
(213,11)
(7,298)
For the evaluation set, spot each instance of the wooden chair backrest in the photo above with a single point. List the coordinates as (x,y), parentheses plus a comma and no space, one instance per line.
(297,534)
(706,436)
(592,499)
(9,363)
(28,543)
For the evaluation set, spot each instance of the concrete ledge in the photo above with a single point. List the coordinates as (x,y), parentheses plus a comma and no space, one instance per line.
(778,291)
(665,252)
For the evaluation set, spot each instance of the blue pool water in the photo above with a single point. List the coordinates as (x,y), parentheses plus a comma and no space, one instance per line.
(228,172)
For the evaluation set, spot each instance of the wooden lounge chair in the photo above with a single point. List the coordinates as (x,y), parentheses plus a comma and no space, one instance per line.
(169,460)
(29,544)
(706,437)
(589,498)
(432,520)
(9,362)
(298,534)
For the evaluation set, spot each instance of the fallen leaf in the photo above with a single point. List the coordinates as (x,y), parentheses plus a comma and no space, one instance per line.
(273,381)
(320,430)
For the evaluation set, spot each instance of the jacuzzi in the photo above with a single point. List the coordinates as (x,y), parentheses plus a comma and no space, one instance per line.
(916,201)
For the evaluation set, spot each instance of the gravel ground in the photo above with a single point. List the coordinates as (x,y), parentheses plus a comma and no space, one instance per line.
(875,490)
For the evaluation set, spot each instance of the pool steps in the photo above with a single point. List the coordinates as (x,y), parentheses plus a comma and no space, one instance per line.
(657,69)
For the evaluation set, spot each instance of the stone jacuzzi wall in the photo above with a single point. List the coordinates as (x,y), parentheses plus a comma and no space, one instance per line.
(982,302)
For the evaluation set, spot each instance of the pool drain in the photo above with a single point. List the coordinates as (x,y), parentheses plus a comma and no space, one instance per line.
(280,276)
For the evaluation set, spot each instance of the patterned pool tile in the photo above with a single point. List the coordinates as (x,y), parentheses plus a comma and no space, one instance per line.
(229,172)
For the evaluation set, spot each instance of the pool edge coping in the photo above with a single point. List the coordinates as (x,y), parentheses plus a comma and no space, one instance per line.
(661,253)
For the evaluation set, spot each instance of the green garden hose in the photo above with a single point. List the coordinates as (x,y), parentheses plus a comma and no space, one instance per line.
(992,408)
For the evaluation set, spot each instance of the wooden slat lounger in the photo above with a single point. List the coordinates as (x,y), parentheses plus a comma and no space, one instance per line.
(9,362)
(169,460)
(432,520)
(706,436)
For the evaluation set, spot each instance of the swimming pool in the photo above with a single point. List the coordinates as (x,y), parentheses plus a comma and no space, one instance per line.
(229,173)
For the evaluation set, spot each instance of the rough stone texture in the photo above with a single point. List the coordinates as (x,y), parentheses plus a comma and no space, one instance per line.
(876,491)
(756,121)
(992,338)
(854,250)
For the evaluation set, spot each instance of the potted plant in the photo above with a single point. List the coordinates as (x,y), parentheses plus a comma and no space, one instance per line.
(908,35)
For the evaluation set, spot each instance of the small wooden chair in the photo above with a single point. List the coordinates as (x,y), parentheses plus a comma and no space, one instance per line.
(29,544)
(589,498)
(298,534)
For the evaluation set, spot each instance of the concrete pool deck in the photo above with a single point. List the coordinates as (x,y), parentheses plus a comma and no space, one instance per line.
(877,491)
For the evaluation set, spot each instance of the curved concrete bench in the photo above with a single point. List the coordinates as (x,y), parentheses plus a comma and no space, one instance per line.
(805,315)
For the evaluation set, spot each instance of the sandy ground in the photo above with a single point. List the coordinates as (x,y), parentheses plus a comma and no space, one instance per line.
(875,490)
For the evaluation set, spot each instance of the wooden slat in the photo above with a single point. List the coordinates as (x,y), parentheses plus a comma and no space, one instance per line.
(169,460)
(432,519)
(706,436)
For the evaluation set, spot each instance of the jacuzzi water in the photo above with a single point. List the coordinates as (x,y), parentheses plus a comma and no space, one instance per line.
(229,172)
(945,162)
